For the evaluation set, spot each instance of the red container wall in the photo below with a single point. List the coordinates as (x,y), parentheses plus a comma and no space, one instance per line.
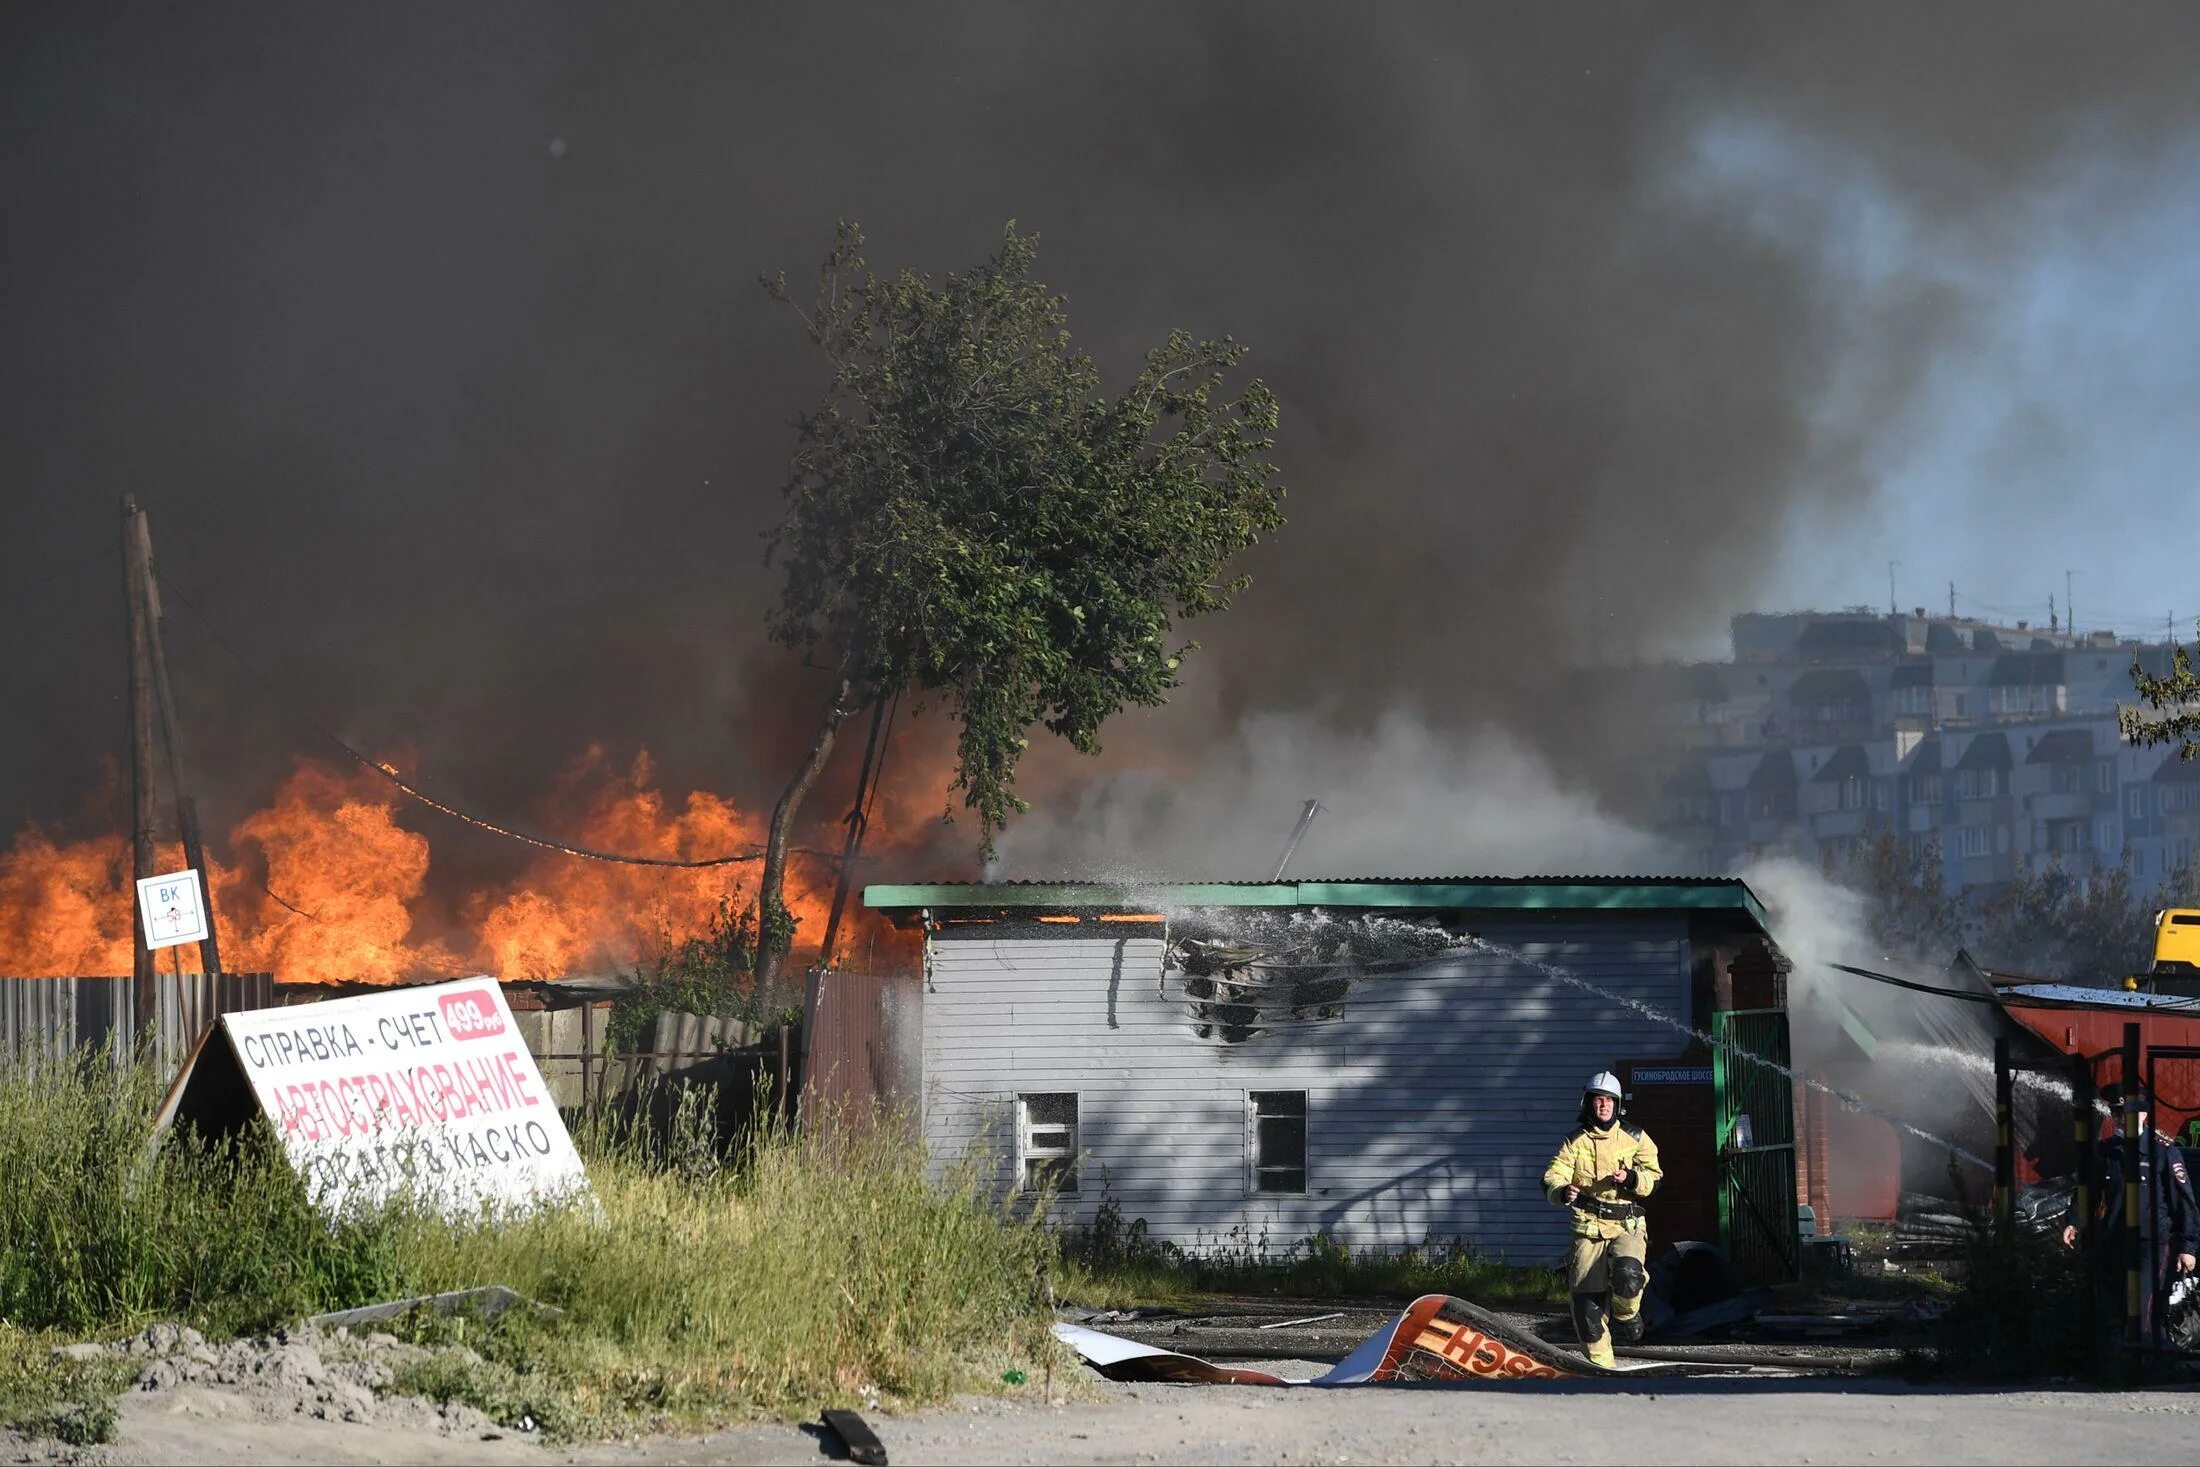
(2091,1031)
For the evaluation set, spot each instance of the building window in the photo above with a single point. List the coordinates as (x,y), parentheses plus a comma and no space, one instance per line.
(2135,802)
(2104,776)
(1046,1132)
(2104,837)
(1977,784)
(1852,793)
(2063,779)
(1976,841)
(1924,789)
(1278,1119)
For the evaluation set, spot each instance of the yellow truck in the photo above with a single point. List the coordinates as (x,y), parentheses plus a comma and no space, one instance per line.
(2177,941)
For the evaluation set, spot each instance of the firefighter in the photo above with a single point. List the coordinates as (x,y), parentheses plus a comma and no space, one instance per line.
(1601,1172)
(2169,1201)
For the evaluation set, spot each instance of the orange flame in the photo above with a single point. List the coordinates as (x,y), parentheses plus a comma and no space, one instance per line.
(575,916)
(345,891)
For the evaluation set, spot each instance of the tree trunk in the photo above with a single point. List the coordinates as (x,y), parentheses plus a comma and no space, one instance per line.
(773,934)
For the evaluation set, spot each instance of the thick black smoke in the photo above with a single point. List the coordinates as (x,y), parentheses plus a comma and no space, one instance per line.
(430,339)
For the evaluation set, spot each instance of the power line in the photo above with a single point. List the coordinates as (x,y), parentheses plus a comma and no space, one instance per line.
(386,772)
(72,570)
(1967,997)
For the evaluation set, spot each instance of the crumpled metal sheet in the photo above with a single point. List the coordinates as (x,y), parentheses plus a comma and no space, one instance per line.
(1435,1338)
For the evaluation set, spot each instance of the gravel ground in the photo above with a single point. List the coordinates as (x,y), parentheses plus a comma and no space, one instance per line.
(1682,1422)
(311,1396)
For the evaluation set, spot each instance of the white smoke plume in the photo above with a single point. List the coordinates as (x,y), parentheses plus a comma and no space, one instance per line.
(1399,798)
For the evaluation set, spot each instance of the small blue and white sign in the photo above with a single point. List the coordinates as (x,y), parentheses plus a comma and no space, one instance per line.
(1671,1075)
(173,908)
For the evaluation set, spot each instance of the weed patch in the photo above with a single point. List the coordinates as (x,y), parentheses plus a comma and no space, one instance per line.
(43,1394)
(798,1272)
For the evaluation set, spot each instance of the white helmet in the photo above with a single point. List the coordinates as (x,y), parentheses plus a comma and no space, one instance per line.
(1603,1082)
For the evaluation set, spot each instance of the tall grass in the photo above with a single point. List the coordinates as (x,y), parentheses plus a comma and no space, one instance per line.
(795,1272)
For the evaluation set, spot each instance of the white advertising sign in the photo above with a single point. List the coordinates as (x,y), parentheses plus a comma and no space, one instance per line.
(173,908)
(429,1091)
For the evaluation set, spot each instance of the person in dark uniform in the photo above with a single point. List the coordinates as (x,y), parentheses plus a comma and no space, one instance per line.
(2169,1201)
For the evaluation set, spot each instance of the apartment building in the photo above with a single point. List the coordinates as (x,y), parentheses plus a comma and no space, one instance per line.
(2001,741)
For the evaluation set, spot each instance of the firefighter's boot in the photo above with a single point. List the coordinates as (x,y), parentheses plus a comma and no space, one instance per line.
(1590,1323)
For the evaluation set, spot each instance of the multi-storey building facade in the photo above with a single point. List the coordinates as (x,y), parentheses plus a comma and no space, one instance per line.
(1999,741)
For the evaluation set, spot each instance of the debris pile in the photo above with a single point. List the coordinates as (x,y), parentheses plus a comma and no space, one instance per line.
(327,1375)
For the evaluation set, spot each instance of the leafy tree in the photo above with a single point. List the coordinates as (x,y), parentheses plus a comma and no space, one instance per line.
(1908,908)
(970,517)
(2054,923)
(2175,701)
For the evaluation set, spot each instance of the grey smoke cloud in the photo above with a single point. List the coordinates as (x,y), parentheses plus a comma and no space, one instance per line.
(429,337)
(1400,798)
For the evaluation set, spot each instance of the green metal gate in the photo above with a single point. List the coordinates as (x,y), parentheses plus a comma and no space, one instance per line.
(1756,1139)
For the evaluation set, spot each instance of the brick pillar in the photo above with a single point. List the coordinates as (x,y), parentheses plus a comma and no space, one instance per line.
(1813,1182)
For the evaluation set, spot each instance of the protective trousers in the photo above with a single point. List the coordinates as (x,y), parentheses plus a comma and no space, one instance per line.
(1606,1277)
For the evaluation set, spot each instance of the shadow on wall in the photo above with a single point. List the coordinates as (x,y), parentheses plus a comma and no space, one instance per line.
(1436,1092)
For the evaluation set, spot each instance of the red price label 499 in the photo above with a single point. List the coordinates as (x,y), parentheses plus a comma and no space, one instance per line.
(471,1015)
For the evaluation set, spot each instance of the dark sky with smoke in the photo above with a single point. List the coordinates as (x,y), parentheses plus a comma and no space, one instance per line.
(429,335)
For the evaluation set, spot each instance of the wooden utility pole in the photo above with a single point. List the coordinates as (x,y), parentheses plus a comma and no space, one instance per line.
(187,808)
(144,995)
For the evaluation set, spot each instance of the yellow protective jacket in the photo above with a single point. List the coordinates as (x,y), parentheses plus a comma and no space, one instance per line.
(1587,1159)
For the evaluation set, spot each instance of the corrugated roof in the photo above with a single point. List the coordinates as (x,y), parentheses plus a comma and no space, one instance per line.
(2065,995)
(1940,637)
(1448,893)
(1925,758)
(2063,746)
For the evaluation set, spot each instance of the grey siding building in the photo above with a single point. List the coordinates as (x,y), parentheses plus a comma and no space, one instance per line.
(1068,1038)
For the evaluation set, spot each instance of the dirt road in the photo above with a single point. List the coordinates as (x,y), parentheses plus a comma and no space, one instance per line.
(1684,1421)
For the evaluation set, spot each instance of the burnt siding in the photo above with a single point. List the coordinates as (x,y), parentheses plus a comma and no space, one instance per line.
(1433,1101)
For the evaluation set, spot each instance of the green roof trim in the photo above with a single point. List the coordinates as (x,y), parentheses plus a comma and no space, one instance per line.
(1558,894)
(1858,1031)
(1089,894)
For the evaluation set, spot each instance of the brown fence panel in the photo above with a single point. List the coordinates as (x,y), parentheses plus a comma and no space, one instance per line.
(48,1018)
(862,1046)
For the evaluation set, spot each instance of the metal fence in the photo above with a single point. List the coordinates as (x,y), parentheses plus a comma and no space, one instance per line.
(862,1045)
(51,1018)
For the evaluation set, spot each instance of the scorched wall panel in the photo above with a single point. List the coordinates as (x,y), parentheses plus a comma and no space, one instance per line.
(1434,1097)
